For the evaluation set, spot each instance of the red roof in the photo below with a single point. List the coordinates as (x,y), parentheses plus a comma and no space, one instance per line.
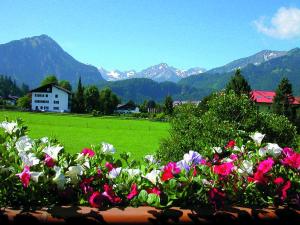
(267,97)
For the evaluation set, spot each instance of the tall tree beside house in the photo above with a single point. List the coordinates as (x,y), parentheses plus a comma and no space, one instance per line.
(78,103)
(92,98)
(108,101)
(283,100)
(24,102)
(238,84)
(65,84)
(49,79)
(168,105)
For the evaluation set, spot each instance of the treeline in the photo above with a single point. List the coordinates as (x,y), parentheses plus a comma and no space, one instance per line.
(9,87)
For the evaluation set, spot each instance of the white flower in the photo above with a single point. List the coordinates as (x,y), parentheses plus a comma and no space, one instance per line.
(29,159)
(257,138)
(192,158)
(24,144)
(80,157)
(132,172)
(44,140)
(262,151)
(153,176)
(205,182)
(270,149)
(59,178)
(237,149)
(150,158)
(114,173)
(35,176)
(8,127)
(108,148)
(246,168)
(74,172)
(52,151)
(217,150)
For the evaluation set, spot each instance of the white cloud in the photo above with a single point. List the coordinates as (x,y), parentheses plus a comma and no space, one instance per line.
(285,24)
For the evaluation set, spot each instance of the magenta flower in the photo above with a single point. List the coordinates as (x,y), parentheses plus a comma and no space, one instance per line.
(223,169)
(216,197)
(89,152)
(109,166)
(49,161)
(133,192)
(169,170)
(154,190)
(265,165)
(292,160)
(258,178)
(85,185)
(233,157)
(96,199)
(110,195)
(278,180)
(25,176)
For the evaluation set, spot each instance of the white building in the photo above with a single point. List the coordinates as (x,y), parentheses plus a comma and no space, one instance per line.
(51,98)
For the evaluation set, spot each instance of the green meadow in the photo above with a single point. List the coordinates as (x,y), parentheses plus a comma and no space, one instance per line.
(140,137)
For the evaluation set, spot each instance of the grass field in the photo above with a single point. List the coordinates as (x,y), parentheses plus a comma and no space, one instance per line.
(140,137)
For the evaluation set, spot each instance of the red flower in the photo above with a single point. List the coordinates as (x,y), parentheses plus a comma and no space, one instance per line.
(49,161)
(292,160)
(109,166)
(154,190)
(96,199)
(169,170)
(133,191)
(258,178)
(216,197)
(85,185)
(25,176)
(87,151)
(223,169)
(265,165)
(194,171)
(110,195)
(284,189)
(278,180)
(230,144)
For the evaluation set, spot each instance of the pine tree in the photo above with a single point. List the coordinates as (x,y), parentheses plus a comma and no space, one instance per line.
(239,84)
(78,104)
(168,105)
(283,100)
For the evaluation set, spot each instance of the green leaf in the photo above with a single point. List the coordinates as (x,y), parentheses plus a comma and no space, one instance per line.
(153,200)
(143,196)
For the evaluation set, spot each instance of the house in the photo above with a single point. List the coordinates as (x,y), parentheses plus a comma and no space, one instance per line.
(264,99)
(51,98)
(10,100)
(127,108)
(178,102)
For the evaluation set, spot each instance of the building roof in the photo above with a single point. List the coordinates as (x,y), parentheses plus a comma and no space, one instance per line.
(267,97)
(45,88)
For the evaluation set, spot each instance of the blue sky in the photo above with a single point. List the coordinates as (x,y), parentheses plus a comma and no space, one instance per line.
(135,34)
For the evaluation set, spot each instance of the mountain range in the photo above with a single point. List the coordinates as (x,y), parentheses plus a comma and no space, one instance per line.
(29,60)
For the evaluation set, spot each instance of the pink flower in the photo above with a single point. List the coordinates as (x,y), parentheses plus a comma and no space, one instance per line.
(288,151)
(284,190)
(230,144)
(133,192)
(169,170)
(278,180)
(109,166)
(292,160)
(85,185)
(265,165)
(96,199)
(154,190)
(49,161)
(25,176)
(87,151)
(216,197)
(223,169)
(110,195)
(234,157)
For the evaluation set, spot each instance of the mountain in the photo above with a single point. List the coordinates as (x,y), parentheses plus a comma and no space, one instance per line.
(160,73)
(256,59)
(264,76)
(29,60)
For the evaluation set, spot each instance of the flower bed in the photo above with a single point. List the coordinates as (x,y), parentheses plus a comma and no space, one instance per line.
(39,173)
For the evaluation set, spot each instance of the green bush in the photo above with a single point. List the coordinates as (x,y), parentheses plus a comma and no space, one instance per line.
(227,116)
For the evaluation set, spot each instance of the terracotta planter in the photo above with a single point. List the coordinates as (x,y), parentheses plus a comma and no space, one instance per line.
(149,215)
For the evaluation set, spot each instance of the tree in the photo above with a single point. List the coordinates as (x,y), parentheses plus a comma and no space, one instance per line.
(24,102)
(92,99)
(49,79)
(143,107)
(65,84)
(168,105)
(131,104)
(238,84)
(78,104)
(283,100)
(108,101)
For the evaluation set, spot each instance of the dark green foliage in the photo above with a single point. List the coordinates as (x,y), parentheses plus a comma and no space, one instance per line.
(151,104)
(227,116)
(78,103)
(282,103)
(9,87)
(108,101)
(24,102)
(131,104)
(49,79)
(65,84)
(92,100)
(238,84)
(168,106)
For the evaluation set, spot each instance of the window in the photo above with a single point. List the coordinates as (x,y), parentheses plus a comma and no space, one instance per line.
(41,101)
(56,102)
(41,107)
(56,96)
(55,108)
(46,95)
